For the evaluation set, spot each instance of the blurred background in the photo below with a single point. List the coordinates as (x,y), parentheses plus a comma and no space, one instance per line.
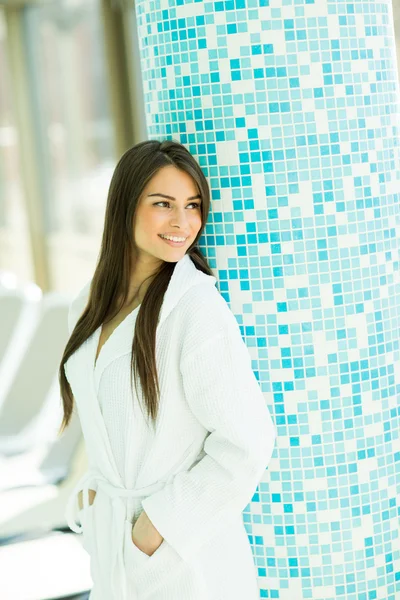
(70,105)
(71,102)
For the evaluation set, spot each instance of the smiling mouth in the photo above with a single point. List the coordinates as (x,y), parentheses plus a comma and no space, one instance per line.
(181,241)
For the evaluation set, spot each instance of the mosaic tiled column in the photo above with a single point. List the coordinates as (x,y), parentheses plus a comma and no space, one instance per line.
(292,109)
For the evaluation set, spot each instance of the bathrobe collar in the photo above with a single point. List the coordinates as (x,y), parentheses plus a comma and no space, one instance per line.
(184,276)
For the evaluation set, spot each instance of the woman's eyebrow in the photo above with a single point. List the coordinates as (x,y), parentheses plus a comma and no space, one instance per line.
(172,198)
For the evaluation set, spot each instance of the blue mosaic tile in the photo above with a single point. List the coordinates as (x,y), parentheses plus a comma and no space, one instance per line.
(292,109)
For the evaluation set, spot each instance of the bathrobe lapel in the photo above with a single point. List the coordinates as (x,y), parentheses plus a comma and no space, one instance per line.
(92,421)
(118,344)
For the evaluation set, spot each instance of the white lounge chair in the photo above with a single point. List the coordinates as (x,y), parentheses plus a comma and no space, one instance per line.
(46,568)
(19,308)
(30,411)
(47,463)
(40,505)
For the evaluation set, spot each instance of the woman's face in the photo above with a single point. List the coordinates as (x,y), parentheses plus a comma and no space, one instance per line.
(177,215)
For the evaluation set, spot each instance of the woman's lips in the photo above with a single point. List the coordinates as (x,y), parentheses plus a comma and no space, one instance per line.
(174,244)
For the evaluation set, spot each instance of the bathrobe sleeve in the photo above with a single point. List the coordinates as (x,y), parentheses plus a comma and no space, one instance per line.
(224,395)
(75,310)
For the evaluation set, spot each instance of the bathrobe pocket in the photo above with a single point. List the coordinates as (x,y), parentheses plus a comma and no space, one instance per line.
(86,519)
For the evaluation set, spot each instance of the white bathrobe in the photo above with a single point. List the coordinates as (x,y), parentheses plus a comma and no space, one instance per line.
(193,475)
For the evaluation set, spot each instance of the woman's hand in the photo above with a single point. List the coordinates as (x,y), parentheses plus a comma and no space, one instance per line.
(92,495)
(145,536)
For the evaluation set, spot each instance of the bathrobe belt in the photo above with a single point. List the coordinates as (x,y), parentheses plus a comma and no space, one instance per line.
(117,526)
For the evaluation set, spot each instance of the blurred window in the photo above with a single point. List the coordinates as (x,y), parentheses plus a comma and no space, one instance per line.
(15,254)
(66,42)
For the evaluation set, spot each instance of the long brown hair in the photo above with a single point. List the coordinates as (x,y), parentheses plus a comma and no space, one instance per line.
(110,283)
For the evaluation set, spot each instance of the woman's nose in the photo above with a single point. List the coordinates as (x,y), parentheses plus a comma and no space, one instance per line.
(180,217)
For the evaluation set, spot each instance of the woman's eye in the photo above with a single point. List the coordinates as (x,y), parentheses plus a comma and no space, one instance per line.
(196,204)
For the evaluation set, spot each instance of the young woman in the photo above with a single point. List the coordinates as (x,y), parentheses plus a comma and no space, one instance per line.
(176,427)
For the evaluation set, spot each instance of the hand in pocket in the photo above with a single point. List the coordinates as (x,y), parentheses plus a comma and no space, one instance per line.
(92,495)
(145,536)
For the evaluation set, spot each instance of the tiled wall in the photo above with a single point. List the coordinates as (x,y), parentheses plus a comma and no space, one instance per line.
(292,109)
